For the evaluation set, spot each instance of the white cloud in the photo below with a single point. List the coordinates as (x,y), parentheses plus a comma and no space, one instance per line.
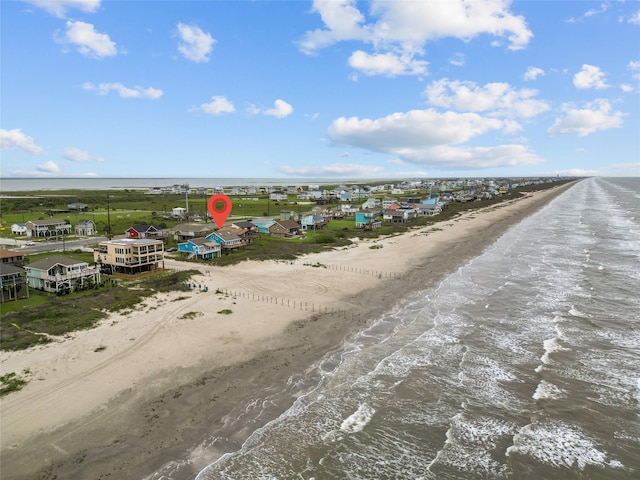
(457,60)
(401,29)
(400,132)
(499,99)
(388,64)
(218,105)
(532,73)
(464,158)
(77,155)
(603,8)
(332,170)
(426,137)
(626,88)
(59,8)
(48,167)
(635,18)
(590,77)
(280,109)
(195,44)
(16,140)
(124,92)
(595,116)
(87,40)
(635,69)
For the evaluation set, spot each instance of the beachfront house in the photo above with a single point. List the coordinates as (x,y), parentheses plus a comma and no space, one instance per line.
(399,215)
(311,221)
(368,219)
(246,230)
(57,274)
(200,248)
(13,283)
(53,227)
(227,239)
(285,229)
(129,255)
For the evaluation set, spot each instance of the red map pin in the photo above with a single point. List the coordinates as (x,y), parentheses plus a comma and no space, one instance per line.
(219,214)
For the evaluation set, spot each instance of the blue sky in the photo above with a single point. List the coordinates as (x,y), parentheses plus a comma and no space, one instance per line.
(332,88)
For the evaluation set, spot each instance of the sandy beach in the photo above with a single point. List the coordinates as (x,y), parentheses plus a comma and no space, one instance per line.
(167,388)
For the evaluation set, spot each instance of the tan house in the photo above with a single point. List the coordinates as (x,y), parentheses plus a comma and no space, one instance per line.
(12,257)
(129,255)
(185,232)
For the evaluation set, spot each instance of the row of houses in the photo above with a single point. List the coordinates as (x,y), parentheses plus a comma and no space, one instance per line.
(62,274)
(53,227)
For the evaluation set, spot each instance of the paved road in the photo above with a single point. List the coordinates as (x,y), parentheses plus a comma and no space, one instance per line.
(42,246)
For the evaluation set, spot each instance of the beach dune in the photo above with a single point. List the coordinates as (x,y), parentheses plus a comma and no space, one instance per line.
(168,387)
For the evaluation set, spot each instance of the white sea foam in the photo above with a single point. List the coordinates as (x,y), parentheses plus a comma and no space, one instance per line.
(550,346)
(358,420)
(546,390)
(560,445)
(577,313)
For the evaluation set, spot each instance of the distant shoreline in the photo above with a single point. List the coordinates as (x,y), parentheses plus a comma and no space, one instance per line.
(14,184)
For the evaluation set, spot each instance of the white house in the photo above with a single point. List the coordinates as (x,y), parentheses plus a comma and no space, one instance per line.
(179,211)
(19,229)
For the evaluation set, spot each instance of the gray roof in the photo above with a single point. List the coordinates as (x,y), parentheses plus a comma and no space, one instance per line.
(8,269)
(47,263)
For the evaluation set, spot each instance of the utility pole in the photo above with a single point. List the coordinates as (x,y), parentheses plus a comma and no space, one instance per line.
(108,219)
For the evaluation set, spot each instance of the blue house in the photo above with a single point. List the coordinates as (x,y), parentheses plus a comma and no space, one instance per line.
(367,219)
(226,239)
(310,221)
(263,223)
(200,248)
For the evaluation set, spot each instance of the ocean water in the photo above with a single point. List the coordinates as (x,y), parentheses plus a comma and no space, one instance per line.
(525,363)
(121,183)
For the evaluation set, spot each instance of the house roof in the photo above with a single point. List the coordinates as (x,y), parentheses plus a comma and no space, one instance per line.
(86,222)
(142,228)
(127,242)
(226,235)
(184,227)
(244,224)
(51,221)
(203,241)
(8,269)
(47,263)
(289,224)
(10,254)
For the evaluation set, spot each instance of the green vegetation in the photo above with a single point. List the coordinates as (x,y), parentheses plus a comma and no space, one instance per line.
(226,311)
(38,323)
(190,315)
(100,348)
(12,382)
